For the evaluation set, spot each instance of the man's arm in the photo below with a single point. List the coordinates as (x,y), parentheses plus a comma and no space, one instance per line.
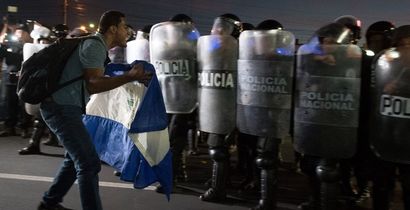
(96,81)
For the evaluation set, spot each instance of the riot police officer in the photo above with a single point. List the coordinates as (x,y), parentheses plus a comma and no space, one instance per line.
(217,102)
(378,37)
(389,92)
(347,166)
(173,53)
(246,147)
(182,127)
(326,123)
(265,69)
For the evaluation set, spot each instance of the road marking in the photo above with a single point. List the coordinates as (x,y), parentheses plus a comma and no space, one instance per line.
(50,179)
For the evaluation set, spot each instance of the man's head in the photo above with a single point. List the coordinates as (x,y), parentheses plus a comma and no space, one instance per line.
(113,26)
(23,33)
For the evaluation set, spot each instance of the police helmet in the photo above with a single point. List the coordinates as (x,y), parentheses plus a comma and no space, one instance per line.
(337,32)
(399,34)
(353,23)
(181,18)
(384,28)
(78,32)
(228,24)
(144,32)
(269,25)
(247,26)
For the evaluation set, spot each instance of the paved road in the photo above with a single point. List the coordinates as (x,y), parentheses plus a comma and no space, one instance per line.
(23,179)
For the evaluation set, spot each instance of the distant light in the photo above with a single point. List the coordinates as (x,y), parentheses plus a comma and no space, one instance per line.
(91,25)
(83,28)
(12,9)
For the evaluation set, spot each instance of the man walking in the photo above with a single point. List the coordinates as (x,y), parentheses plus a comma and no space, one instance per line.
(63,112)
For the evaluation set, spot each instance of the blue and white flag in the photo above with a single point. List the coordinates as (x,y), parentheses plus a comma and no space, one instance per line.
(129,128)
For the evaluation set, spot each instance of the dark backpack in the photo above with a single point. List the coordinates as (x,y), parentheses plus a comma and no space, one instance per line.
(40,74)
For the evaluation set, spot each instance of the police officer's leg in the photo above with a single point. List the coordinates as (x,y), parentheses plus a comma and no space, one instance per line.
(345,178)
(247,154)
(329,175)
(404,170)
(12,112)
(383,184)
(26,120)
(267,161)
(218,150)
(192,133)
(308,166)
(34,143)
(178,141)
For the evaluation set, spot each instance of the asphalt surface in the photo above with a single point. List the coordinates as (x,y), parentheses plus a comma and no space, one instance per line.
(23,180)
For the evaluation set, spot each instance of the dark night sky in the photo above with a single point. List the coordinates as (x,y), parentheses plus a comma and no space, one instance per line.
(301,17)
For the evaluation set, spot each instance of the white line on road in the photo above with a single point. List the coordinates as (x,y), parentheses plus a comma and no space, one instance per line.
(50,179)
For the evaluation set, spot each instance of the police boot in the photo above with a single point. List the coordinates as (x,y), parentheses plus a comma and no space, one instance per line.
(363,192)
(192,142)
(25,133)
(329,175)
(32,148)
(179,165)
(314,200)
(405,185)
(34,144)
(380,197)
(217,192)
(268,183)
(51,140)
(267,161)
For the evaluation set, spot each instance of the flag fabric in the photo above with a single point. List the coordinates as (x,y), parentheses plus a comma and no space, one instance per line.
(129,128)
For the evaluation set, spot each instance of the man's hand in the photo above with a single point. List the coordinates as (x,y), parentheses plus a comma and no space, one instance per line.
(138,73)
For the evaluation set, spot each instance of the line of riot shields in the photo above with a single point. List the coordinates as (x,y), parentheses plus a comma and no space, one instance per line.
(249,85)
(257,85)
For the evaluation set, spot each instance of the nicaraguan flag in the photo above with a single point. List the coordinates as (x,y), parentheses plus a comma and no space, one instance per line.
(129,128)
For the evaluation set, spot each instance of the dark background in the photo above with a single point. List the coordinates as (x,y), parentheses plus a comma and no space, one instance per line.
(301,17)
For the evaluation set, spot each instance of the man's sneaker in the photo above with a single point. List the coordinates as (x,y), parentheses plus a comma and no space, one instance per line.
(42,206)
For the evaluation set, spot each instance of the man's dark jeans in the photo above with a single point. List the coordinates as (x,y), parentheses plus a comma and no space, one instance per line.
(81,160)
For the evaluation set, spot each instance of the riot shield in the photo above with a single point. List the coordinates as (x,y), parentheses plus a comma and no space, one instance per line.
(390,115)
(28,50)
(217,59)
(137,49)
(327,100)
(265,82)
(173,53)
